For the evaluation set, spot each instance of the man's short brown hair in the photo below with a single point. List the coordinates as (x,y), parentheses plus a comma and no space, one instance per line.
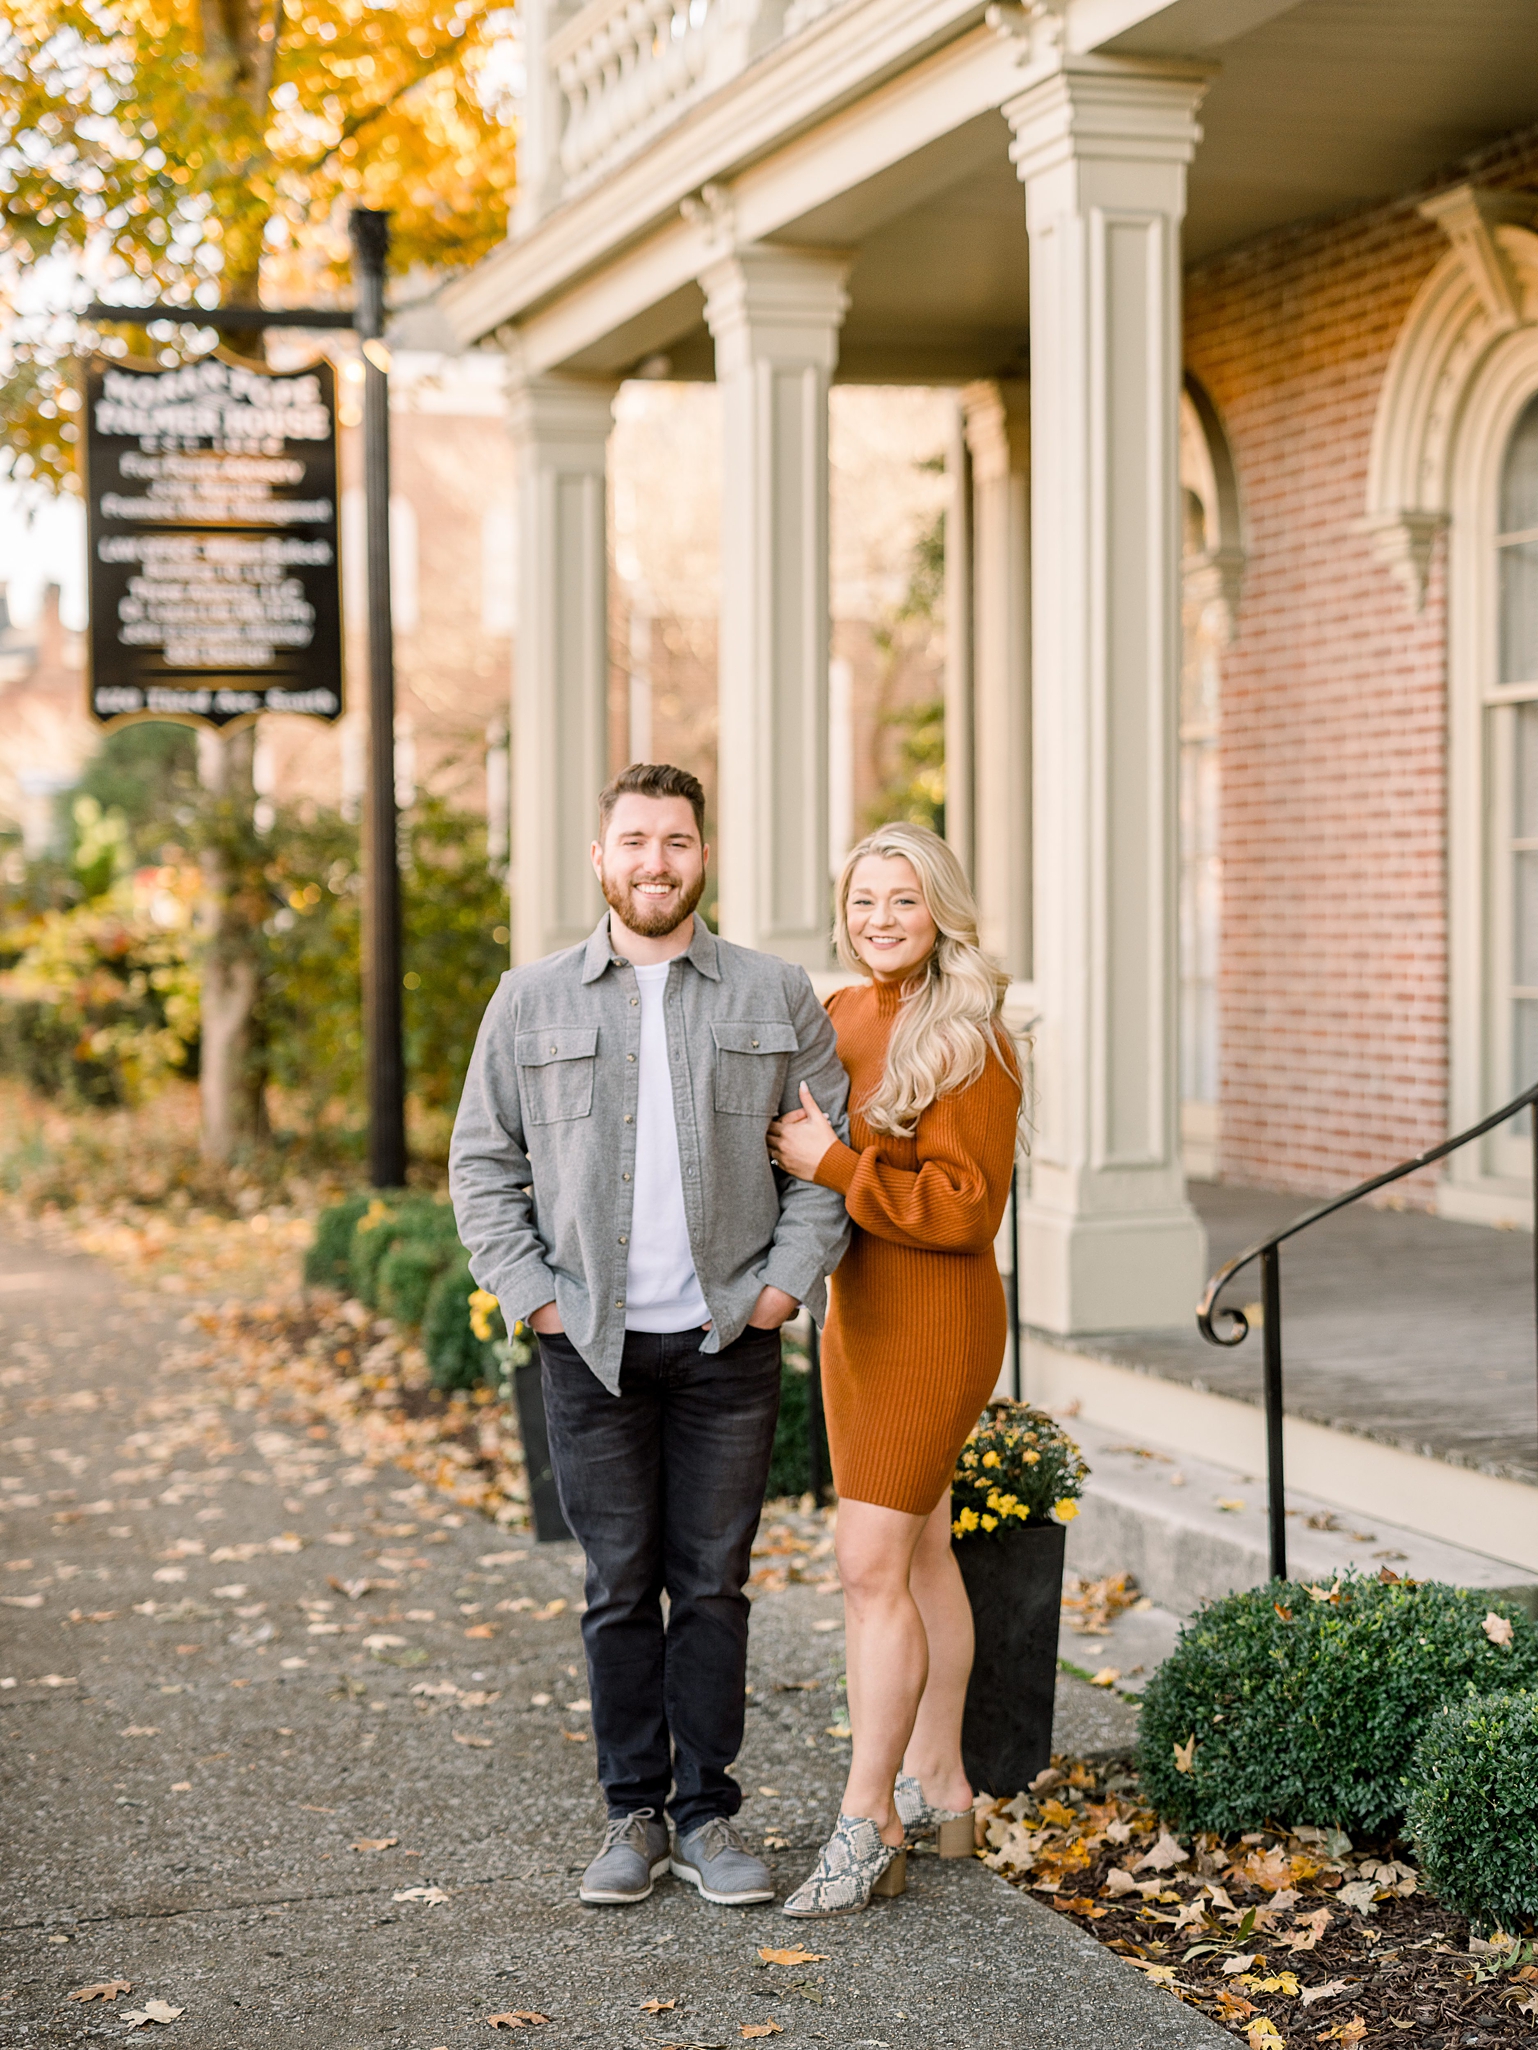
(652,779)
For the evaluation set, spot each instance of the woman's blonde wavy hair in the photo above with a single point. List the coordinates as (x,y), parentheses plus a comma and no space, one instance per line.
(949,1022)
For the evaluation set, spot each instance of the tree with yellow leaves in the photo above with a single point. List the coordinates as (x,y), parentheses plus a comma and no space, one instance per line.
(207,152)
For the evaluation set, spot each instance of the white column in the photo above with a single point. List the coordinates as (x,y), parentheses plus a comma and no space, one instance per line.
(998,430)
(775,315)
(560,429)
(959,808)
(1108,1241)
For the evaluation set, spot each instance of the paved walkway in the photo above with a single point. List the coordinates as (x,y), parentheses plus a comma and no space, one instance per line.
(201,1723)
(1397,1325)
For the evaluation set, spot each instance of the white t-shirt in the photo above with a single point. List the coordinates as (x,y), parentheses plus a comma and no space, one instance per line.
(662,1290)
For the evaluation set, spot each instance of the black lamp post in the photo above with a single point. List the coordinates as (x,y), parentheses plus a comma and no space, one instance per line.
(370,232)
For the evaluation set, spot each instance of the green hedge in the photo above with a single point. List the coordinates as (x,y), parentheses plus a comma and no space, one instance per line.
(790,1464)
(1472,1812)
(1305,1705)
(400,1255)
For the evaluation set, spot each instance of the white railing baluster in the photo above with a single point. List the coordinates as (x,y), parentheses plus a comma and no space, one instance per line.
(628,69)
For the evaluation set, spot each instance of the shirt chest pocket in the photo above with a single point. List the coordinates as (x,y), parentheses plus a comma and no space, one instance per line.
(555,1072)
(752,1061)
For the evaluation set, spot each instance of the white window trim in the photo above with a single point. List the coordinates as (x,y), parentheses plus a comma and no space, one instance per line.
(1506,381)
(1463,367)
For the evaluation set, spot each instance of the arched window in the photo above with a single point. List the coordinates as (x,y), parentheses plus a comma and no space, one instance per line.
(1513,767)
(1212,563)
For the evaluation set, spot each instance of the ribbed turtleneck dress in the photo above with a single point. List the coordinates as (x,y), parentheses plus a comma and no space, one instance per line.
(915,1334)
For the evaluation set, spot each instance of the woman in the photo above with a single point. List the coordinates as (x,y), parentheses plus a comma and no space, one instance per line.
(915,1337)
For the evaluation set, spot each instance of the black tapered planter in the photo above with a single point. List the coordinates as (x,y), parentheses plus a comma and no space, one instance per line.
(1015,1585)
(544,1505)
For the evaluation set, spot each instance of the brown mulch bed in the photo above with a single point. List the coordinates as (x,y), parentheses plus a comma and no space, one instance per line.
(1283,1936)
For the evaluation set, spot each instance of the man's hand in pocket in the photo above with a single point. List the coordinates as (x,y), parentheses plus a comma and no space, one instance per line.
(546,1320)
(773,1308)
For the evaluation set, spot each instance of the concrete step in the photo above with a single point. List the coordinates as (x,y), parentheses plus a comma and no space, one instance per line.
(1190,1530)
(1136,1391)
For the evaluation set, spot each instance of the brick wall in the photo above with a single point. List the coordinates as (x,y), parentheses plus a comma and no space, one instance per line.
(1334,965)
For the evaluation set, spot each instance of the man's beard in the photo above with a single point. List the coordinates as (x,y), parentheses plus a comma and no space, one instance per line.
(650,920)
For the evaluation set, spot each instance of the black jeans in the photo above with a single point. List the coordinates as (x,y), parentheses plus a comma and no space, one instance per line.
(662,1486)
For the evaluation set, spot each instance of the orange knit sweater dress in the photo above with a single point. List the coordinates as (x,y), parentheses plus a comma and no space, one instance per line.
(915,1334)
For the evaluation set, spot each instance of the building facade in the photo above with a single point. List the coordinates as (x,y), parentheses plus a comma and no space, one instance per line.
(1238,307)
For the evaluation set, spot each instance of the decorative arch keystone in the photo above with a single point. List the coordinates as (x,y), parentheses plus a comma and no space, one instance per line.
(1483,288)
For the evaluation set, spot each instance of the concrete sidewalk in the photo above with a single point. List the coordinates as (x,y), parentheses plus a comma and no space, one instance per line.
(199,1727)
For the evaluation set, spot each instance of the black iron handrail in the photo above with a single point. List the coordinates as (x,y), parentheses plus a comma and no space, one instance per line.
(1268,1252)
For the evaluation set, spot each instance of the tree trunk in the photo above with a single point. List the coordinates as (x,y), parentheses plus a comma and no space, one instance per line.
(231,1080)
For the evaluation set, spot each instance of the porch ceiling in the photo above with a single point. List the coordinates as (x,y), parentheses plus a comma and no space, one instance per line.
(1315,105)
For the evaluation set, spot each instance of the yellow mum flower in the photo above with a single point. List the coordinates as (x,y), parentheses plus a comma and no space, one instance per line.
(965,1522)
(481,1307)
(990,1523)
(374,1216)
(1031,1458)
(1066,1510)
(991,1459)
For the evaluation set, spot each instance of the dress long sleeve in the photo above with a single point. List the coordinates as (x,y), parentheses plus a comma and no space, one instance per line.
(953,1200)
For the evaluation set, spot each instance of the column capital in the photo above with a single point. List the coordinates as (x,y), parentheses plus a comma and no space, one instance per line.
(996,419)
(1121,115)
(555,411)
(763,302)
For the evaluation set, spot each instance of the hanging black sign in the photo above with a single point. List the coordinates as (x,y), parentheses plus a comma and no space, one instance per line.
(211,496)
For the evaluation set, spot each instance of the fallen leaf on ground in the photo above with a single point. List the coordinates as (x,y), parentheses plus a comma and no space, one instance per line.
(523,2018)
(1262,2034)
(434,1896)
(382,1641)
(1328,1991)
(141,1730)
(1360,1895)
(761,2029)
(109,1989)
(1231,1965)
(1106,1677)
(1164,1856)
(1497,1628)
(1344,2032)
(657,2006)
(35,1601)
(475,1743)
(482,1630)
(1185,1754)
(798,1955)
(365,1843)
(152,2011)
(1159,1975)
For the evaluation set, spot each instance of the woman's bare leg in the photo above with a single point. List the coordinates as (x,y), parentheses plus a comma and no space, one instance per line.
(886,1652)
(933,1756)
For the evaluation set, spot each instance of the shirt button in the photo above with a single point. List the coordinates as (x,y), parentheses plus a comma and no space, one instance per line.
(619,1302)
(634,1001)
(623,1240)
(625,1177)
(630,1056)
(553,1049)
(629,1120)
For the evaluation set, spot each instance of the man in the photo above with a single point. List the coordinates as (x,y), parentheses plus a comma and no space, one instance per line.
(612,1182)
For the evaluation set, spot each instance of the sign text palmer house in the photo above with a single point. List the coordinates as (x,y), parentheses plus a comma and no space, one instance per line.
(212,518)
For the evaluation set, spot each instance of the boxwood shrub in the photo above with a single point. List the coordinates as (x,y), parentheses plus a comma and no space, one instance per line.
(457,1358)
(1472,1811)
(1305,1704)
(328,1263)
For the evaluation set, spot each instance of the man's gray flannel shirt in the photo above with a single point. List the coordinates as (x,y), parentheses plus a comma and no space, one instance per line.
(543,1153)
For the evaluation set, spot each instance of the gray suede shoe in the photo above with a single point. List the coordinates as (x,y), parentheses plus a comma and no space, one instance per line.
(714,1858)
(633,1852)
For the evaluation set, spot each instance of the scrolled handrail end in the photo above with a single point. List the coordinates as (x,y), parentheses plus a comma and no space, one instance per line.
(1234,1333)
